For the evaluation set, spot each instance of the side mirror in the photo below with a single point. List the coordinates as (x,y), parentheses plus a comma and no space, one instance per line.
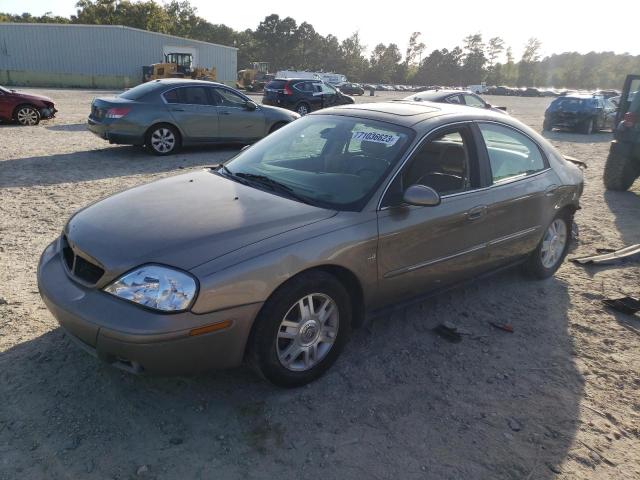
(421,195)
(487,105)
(250,105)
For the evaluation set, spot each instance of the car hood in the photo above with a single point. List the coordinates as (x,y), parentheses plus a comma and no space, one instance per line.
(182,221)
(29,96)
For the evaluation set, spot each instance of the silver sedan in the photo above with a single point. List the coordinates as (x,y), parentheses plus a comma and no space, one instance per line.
(274,257)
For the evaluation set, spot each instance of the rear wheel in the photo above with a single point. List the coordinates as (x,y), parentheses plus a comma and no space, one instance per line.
(302,109)
(301,330)
(27,115)
(552,249)
(163,140)
(620,172)
(546,126)
(587,128)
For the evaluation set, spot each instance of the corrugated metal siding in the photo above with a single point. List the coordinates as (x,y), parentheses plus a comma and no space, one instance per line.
(99,50)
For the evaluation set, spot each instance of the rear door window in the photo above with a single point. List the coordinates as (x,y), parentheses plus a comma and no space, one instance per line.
(511,153)
(187,96)
(304,87)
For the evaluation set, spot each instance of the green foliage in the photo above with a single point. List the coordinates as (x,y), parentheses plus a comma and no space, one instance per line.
(287,45)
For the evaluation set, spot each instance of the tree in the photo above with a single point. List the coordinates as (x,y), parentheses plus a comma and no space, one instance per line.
(527,70)
(384,63)
(473,71)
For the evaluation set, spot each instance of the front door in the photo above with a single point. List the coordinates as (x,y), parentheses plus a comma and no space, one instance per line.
(329,95)
(424,248)
(194,112)
(6,105)
(236,121)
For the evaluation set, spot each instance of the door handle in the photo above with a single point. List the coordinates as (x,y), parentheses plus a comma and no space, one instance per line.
(224,113)
(476,212)
(177,109)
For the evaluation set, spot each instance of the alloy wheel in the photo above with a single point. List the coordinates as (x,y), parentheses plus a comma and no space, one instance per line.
(553,243)
(163,140)
(307,332)
(27,116)
(302,109)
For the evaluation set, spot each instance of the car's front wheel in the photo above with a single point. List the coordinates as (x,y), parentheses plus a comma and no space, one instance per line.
(163,140)
(27,115)
(301,330)
(552,249)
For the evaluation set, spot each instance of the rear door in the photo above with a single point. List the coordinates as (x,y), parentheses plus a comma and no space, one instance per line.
(424,248)
(525,191)
(236,121)
(194,111)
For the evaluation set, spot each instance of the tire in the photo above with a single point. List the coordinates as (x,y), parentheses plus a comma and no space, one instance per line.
(587,128)
(546,126)
(277,126)
(162,139)
(279,352)
(27,115)
(539,264)
(619,172)
(303,108)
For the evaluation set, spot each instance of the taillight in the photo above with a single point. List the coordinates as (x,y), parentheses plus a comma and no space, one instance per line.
(117,112)
(287,89)
(629,120)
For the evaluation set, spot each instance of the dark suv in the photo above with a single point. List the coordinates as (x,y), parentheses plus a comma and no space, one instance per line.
(303,95)
(623,164)
(586,113)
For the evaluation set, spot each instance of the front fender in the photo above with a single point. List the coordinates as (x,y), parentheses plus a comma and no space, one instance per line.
(252,274)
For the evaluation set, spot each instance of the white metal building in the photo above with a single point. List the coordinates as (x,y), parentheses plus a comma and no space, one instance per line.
(97,56)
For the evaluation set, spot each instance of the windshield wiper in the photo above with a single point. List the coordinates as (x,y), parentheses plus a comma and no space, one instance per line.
(225,172)
(273,184)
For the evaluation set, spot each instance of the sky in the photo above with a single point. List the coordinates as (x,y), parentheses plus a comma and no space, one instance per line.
(562,26)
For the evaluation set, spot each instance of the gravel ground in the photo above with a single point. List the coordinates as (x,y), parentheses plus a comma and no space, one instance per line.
(558,398)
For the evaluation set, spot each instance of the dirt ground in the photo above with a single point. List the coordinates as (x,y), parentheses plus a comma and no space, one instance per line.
(556,399)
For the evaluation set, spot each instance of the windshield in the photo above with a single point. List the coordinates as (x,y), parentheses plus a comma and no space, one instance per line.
(327,160)
(140,91)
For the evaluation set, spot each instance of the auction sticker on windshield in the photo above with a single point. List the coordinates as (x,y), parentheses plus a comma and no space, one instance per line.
(376,137)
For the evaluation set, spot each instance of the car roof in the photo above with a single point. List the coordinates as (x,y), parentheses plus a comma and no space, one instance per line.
(440,93)
(582,96)
(409,113)
(186,81)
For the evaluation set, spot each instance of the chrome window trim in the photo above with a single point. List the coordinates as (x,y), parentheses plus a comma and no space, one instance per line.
(500,183)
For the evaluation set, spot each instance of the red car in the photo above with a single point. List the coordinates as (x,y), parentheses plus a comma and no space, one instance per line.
(24,108)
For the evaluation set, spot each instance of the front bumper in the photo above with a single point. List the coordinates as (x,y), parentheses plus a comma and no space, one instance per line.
(47,113)
(136,339)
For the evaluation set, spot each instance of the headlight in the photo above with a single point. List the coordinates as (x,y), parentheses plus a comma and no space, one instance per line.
(157,287)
